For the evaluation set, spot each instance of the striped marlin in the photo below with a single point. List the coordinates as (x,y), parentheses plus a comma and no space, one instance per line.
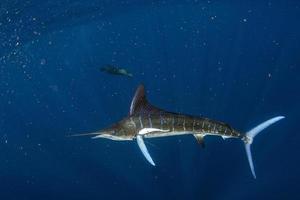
(148,121)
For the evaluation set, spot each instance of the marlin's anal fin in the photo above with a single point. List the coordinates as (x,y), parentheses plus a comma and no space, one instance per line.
(200,139)
(141,143)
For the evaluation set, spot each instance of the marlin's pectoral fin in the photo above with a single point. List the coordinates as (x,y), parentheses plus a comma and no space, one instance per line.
(144,149)
(140,141)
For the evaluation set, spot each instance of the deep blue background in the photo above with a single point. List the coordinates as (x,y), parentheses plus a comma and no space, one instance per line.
(235,61)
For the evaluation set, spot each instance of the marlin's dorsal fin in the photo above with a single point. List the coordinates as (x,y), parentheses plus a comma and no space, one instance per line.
(139,103)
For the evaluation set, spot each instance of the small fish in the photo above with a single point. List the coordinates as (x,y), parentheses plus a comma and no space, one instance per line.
(110,69)
(148,121)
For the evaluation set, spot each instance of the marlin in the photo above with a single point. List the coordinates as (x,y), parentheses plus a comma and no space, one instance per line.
(148,121)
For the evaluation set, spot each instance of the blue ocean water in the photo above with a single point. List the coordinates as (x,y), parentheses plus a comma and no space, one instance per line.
(234,61)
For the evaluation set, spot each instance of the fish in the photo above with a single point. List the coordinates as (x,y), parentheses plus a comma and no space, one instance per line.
(148,121)
(110,69)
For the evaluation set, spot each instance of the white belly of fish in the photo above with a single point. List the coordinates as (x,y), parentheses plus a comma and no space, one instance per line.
(165,134)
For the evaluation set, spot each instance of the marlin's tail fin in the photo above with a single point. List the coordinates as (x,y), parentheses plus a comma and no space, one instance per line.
(248,139)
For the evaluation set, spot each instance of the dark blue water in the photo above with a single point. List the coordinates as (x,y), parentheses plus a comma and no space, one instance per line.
(235,61)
